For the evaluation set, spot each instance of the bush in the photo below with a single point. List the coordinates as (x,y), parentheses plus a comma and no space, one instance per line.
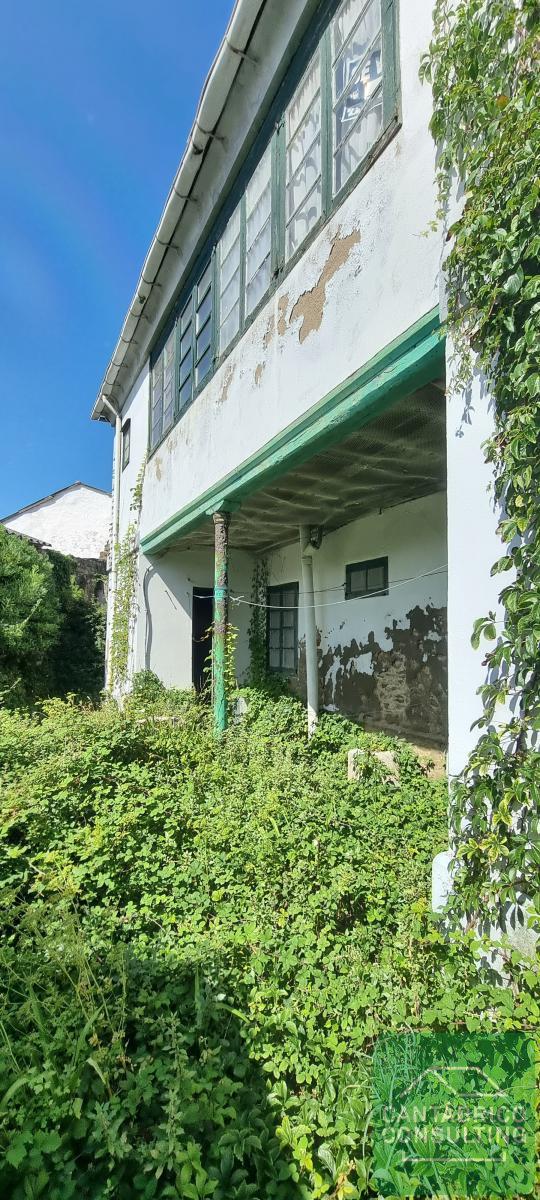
(201,941)
(52,638)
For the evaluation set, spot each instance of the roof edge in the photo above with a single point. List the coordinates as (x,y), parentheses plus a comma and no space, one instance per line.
(214,95)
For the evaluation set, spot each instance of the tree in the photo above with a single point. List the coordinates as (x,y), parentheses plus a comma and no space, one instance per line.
(30,616)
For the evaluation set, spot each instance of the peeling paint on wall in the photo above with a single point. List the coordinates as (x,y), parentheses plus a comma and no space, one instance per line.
(283,304)
(258,373)
(310,305)
(402,688)
(227,380)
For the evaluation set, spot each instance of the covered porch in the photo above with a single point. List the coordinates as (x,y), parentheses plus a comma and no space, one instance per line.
(348,517)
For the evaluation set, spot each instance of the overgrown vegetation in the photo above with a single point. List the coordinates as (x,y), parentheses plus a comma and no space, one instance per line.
(483,68)
(200,942)
(125,591)
(51,635)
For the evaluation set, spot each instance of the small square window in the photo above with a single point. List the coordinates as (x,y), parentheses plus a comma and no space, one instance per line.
(126,443)
(368,578)
(282,628)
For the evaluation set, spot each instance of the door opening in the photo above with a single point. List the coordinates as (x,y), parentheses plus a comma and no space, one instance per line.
(201,634)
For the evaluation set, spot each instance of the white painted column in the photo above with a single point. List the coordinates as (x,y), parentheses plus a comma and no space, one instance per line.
(310,630)
(473,547)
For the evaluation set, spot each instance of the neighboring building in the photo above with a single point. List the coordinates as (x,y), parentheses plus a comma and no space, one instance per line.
(75,520)
(282,366)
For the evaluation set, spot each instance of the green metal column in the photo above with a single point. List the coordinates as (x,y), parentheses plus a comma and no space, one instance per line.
(221,619)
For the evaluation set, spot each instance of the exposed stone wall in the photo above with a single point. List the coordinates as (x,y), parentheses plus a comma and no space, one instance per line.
(401,686)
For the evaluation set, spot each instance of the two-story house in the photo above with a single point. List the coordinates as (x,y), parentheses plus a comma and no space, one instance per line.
(281,367)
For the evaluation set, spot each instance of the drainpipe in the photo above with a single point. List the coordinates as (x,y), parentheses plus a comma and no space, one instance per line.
(221,619)
(115,535)
(310,628)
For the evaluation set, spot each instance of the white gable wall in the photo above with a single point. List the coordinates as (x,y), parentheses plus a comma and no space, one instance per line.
(75,521)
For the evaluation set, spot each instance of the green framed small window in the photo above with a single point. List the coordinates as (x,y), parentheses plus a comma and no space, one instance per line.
(368,578)
(126,443)
(282,628)
(162,413)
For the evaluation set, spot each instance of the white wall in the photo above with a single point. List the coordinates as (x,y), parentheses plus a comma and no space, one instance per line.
(371,273)
(473,547)
(164,632)
(75,521)
(383,659)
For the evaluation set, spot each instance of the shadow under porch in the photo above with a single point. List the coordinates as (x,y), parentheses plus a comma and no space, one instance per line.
(377,495)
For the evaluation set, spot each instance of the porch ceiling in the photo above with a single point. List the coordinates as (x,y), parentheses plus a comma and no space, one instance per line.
(399,456)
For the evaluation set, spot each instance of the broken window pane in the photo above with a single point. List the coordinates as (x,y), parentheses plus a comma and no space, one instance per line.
(356,85)
(303,170)
(258,232)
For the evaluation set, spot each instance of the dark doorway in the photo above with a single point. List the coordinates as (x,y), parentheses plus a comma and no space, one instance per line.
(201,633)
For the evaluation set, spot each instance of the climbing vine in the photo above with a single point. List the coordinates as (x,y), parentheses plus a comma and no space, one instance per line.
(126,589)
(257,625)
(482,65)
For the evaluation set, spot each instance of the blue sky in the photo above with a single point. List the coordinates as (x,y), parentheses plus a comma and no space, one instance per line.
(96,101)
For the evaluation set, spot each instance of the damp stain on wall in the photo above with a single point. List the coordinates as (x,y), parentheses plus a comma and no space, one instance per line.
(400,687)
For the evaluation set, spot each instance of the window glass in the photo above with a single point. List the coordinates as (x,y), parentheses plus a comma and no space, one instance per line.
(356,85)
(367,578)
(258,232)
(185,352)
(282,629)
(229,282)
(303,198)
(203,326)
(163,392)
(126,443)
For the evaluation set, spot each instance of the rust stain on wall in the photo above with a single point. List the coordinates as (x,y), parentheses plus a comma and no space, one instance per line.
(310,305)
(283,304)
(259,369)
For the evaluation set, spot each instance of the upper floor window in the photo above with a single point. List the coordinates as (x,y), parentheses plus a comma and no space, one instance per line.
(126,443)
(357,116)
(258,241)
(163,392)
(229,282)
(303,184)
(333,119)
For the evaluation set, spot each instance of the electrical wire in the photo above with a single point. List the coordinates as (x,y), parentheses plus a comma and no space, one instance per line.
(333,603)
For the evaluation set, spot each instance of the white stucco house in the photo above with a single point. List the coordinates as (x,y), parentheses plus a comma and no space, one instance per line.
(282,371)
(74,520)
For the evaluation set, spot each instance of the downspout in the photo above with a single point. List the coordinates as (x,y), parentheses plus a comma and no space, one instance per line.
(310,630)
(115,537)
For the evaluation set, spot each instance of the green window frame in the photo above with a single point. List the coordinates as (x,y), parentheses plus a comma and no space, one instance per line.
(282,629)
(332,116)
(367,578)
(126,443)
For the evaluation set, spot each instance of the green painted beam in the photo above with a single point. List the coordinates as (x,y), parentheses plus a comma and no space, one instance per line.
(409,362)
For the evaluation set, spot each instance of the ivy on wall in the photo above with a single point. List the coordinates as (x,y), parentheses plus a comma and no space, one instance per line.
(125,597)
(482,66)
(257,625)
